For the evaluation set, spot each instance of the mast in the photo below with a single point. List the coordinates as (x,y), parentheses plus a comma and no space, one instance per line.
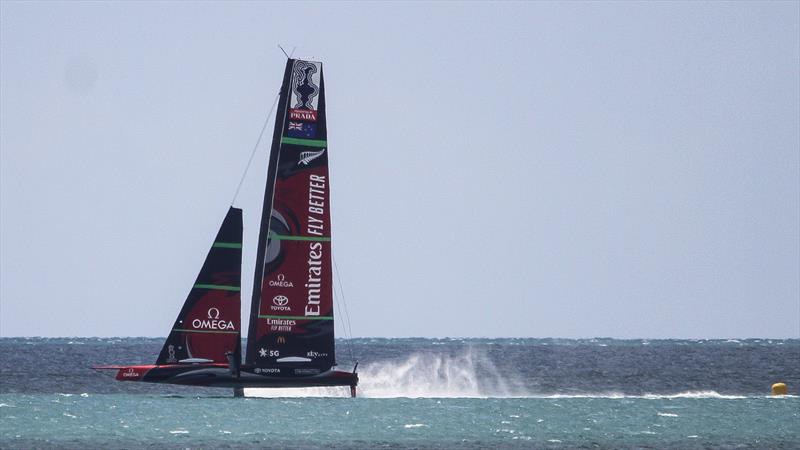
(266,209)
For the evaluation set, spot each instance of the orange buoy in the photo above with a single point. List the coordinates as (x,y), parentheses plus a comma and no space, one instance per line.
(779,389)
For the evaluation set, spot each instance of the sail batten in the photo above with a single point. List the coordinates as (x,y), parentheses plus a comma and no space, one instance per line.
(218,287)
(306,142)
(267,316)
(280,237)
(227,245)
(185,330)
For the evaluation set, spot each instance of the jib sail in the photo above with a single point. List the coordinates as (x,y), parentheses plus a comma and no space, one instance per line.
(291,323)
(208,325)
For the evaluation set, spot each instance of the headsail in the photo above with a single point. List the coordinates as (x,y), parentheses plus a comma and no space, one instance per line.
(208,325)
(291,319)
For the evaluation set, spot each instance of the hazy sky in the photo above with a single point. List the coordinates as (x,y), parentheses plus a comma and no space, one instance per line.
(505,169)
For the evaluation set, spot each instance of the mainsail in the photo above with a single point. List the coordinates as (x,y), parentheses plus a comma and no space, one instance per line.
(291,319)
(208,325)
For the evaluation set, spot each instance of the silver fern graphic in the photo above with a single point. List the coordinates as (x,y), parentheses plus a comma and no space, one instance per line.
(307,157)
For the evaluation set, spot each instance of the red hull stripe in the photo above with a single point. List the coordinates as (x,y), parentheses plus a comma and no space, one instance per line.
(219,287)
(305,142)
(184,330)
(262,316)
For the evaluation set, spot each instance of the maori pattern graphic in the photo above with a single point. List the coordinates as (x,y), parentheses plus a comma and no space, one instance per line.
(303,85)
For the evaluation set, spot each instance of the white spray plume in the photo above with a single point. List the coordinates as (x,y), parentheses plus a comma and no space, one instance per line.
(468,375)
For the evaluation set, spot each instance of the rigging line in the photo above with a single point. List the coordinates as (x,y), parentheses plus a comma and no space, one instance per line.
(344,302)
(255,147)
(341,290)
(348,337)
(261,134)
(341,323)
(336,305)
(340,313)
(288,56)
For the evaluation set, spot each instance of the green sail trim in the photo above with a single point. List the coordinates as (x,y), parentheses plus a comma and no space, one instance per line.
(219,287)
(260,316)
(305,142)
(283,237)
(184,330)
(227,245)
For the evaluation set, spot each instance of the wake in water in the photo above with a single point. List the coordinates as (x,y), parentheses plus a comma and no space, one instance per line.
(618,395)
(471,374)
(468,375)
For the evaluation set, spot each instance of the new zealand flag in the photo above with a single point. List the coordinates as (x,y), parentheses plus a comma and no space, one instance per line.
(302,130)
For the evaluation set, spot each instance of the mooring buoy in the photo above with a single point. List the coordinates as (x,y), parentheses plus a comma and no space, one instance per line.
(779,389)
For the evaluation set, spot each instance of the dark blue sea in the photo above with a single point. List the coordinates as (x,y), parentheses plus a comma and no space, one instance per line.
(419,393)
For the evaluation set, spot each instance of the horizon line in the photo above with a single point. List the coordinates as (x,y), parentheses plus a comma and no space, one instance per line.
(449,337)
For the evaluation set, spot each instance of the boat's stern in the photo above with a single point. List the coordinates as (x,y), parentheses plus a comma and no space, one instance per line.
(128,373)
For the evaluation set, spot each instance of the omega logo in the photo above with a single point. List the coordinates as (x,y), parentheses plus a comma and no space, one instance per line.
(213,322)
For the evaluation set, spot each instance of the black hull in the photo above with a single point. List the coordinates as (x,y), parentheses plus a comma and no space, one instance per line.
(215,376)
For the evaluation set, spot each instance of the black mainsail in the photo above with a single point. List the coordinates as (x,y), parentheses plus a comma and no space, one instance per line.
(291,319)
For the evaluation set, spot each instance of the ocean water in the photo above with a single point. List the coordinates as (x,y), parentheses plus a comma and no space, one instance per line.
(419,393)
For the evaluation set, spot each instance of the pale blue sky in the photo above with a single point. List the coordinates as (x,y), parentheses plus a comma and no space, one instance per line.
(505,169)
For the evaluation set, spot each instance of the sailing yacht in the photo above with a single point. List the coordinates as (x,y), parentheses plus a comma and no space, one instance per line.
(290,339)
